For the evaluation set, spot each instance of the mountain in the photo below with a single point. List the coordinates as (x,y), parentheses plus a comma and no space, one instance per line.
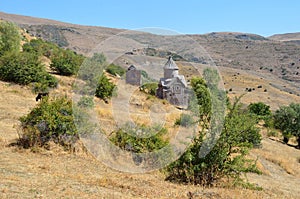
(286,37)
(270,62)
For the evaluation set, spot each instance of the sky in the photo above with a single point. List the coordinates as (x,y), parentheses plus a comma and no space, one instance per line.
(263,17)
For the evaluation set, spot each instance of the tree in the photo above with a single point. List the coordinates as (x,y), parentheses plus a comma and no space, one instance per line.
(25,68)
(10,38)
(260,109)
(41,47)
(211,77)
(227,158)
(203,98)
(287,119)
(105,88)
(66,62)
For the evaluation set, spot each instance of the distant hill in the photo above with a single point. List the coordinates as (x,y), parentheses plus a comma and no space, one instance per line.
(286,37)
(273,59)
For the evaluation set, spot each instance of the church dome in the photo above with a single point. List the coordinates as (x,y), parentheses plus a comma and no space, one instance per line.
(171,64)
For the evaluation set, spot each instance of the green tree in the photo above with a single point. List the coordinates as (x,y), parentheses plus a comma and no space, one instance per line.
(41,47)
(25,68)
(92,68)
(104,88)
(260,109)
(10,38)
(287,119)
(66,62)
(211,77)
(227,158)
(201,103)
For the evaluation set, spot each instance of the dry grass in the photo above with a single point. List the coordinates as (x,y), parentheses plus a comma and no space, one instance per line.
(239,80)
(79,175)
(56,174)
(288,163)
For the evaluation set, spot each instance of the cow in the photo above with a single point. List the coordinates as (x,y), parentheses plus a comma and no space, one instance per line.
(41,95)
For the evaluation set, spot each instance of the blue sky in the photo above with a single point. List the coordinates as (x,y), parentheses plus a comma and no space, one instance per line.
(264,17)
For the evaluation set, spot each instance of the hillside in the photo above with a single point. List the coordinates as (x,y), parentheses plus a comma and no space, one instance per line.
(276,63)
(286,37)
(55,173)
(241,59)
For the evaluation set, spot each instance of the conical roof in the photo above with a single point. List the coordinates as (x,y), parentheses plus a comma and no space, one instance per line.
(171,64)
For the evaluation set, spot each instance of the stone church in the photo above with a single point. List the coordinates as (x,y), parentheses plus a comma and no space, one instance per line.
(133,76)
(173,87)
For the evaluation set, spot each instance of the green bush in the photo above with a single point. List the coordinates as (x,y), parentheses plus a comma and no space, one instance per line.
(104,88)
(287,119)
(149,88)
(227,158)
(51,120)
(10,38)
(125,138)
(269,121)
(25,68)
(41,47)
(86,102)
(115,70)
(259,109)
(92,68)
(185,120)
(66,62)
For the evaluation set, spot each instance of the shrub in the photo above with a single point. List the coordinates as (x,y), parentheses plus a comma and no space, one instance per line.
(149,88)
(185,120)
(287,119)
(227,158)
(41,47)
(10,38)
(115,70)
(126,138)
(104,88)
(92,68)
(66,62)
(86,102)
(25,68)
(259,109)
(51,120)
(269,121)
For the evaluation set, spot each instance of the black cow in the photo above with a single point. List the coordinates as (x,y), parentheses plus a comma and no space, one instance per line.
(41,95)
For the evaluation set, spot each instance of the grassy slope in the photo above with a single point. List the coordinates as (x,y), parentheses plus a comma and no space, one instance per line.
(56,174)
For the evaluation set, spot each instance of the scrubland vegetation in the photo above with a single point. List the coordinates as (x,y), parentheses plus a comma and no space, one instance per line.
(52,118)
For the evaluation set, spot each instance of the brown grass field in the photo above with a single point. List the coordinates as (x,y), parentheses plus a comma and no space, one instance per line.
(54,173)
